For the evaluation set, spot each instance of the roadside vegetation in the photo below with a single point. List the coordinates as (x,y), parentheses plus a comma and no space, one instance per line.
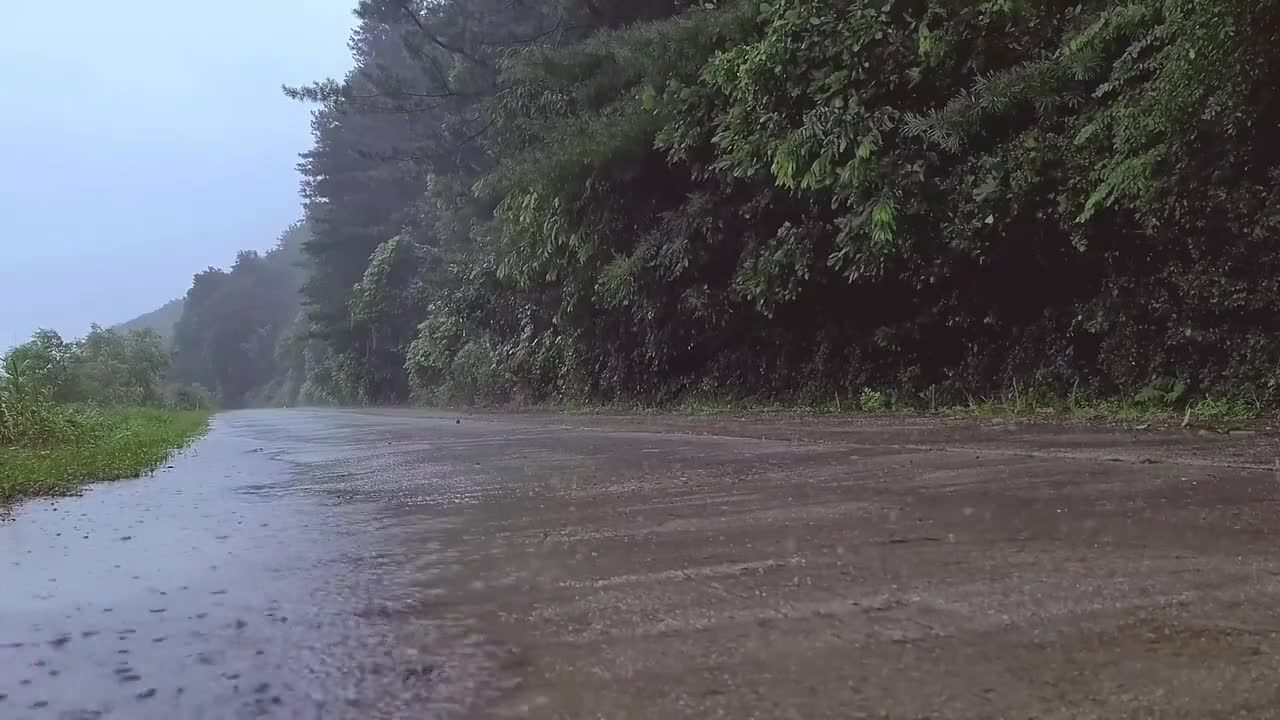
(1154,406)
(1164,405)
(92,409)
(1034,208)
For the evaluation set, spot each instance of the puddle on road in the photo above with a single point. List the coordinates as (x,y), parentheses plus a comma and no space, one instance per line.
(223,588)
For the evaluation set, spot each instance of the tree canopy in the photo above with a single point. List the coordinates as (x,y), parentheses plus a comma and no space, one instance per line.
(236,327)
(105,367)
(599,199)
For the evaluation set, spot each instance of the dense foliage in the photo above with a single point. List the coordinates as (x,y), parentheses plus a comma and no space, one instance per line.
(52,448)
(72,411)
(235,334)
(105,367)
(794,198)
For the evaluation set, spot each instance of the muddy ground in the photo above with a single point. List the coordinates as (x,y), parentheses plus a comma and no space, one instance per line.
(318,564)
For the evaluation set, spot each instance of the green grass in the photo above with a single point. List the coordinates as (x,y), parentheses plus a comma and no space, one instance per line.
(1211,413)
(1148,408)
(105,445)
(721,405)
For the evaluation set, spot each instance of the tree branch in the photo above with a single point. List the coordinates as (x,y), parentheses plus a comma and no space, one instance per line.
(435,40)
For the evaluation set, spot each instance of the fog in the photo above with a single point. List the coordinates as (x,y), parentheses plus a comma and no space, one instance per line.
(144,141)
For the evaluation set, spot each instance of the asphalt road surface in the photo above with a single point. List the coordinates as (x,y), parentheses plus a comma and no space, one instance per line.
(347,564)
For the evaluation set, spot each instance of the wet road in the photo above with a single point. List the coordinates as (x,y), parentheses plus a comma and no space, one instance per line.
(318,564)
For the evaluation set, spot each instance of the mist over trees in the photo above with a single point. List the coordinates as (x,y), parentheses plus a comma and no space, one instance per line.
(235,334)
(162,320)
(645,199)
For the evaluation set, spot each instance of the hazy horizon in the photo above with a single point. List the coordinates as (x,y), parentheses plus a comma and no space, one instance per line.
(146,147)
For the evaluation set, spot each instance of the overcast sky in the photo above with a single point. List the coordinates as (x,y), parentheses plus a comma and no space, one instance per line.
(142,141)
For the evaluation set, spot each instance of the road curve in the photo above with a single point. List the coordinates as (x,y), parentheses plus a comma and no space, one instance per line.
(350,564)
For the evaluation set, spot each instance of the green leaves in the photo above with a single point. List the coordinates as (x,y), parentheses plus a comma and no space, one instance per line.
(883,223)
(784,167)
(792,195)
(104,367)
(1127,178)
(931,45)
(234,323)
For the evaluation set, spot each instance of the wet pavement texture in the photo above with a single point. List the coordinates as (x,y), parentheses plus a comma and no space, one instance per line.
(399,564)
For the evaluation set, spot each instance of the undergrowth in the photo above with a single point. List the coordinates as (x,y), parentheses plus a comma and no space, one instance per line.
(108,445)
(1163,404)
(49,448)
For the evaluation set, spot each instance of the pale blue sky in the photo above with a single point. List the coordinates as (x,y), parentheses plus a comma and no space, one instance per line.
(142,141)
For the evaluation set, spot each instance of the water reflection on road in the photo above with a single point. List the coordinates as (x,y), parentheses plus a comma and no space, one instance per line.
(241,582)
(395,564)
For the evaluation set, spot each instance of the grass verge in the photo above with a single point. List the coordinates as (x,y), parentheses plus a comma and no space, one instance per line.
(115,444)
(1146,410)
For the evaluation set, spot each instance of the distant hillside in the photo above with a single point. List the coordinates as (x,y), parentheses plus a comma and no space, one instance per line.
(162,320)
(239,335)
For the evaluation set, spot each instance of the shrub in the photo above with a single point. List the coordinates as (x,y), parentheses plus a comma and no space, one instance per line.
(476,376)
(29,417)
(193,396)
(873,401)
